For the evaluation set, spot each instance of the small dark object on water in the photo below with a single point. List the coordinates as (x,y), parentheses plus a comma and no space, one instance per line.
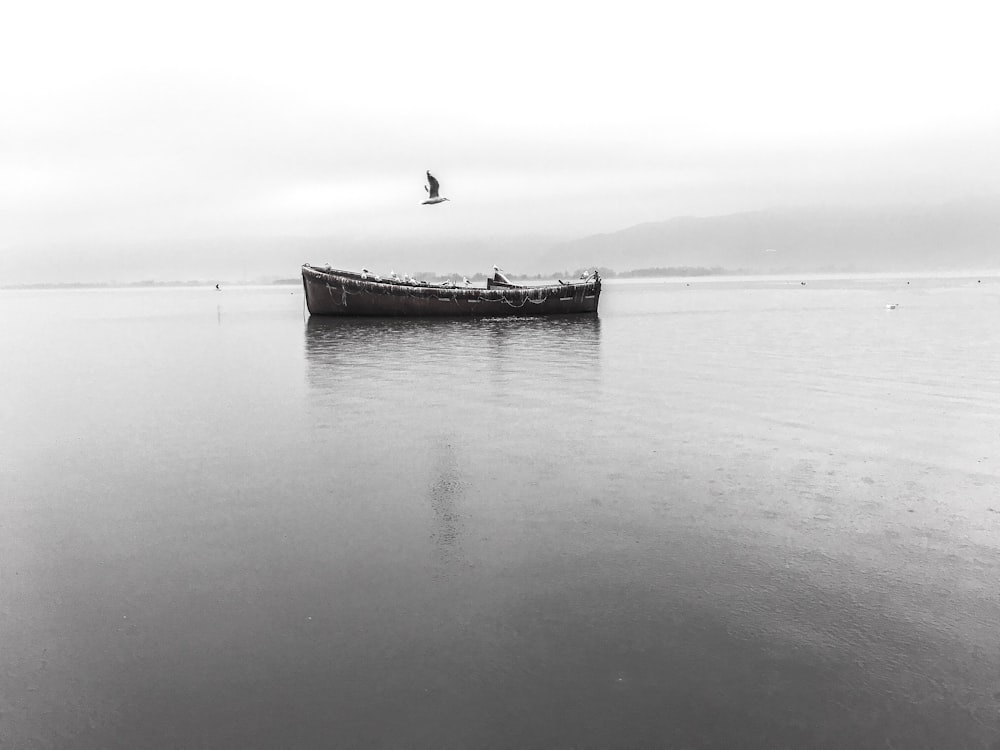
(217,287)
(802,283)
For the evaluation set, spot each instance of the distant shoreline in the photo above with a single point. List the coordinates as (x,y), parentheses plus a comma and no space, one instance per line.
(606,273)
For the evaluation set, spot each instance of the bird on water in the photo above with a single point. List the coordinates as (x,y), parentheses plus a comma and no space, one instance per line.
(432,188)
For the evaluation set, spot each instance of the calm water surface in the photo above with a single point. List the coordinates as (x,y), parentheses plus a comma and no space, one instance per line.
(740,513)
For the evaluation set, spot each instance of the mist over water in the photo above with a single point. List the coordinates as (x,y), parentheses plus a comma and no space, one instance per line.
(728,513)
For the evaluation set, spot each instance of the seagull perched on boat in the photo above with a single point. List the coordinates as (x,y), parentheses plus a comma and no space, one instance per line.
(393,276)
(465,281)
(499,276)
(432,187)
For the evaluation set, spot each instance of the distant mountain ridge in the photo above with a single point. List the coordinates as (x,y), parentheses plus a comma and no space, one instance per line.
(953,235)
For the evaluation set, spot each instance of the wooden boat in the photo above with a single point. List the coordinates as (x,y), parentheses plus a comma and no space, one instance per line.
(332,292)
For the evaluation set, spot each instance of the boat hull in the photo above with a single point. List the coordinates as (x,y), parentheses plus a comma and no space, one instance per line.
(332,292)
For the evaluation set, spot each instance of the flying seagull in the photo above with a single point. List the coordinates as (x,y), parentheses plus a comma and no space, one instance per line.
(432,191)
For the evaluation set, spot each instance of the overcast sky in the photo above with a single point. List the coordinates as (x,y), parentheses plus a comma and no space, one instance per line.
(125,124)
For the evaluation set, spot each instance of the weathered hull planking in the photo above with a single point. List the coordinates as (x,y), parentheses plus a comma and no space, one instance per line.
(332,292)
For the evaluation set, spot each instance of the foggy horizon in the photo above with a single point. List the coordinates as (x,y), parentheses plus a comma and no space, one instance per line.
(146,143)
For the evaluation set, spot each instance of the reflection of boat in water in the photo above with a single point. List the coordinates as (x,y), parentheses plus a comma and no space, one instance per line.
(332,292)
(383,349)
(345,339)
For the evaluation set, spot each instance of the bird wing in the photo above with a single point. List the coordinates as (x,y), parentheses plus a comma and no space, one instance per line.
(433,189)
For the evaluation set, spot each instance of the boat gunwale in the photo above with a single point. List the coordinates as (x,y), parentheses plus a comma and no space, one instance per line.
(433,290)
